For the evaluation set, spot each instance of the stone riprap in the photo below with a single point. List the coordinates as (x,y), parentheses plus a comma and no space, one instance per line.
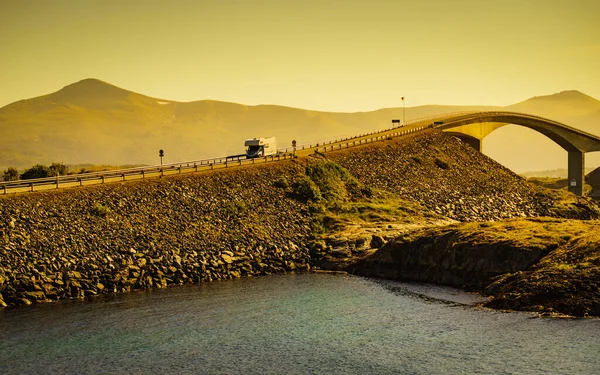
(113,238)
(117,237)
(450,178)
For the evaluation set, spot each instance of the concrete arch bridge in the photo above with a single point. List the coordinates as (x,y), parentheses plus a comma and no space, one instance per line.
(472,127)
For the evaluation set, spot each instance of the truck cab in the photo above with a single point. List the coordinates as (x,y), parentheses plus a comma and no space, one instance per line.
(259,147)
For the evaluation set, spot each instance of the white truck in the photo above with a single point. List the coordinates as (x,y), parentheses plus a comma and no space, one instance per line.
(259,147)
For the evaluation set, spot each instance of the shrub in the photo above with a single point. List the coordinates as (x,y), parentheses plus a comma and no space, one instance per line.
(58,169)
(331,179)
(11,174)
(37,171)
(281,183)
(100,210)
(235,208)
(307,189)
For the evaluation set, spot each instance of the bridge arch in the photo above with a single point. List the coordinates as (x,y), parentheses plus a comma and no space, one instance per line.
(472,127)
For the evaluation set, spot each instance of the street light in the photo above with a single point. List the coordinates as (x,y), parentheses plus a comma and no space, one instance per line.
(404,111)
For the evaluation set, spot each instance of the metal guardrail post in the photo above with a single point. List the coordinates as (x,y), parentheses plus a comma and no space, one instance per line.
(4,187)
(102,178)
(123,176)
(57,183)
(143,174)
(195,167)
(31,185)
(80,181)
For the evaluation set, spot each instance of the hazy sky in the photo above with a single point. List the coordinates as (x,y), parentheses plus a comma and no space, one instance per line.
(336,55)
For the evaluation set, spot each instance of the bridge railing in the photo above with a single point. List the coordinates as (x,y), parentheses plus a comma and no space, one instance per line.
(139,172)
(309,145)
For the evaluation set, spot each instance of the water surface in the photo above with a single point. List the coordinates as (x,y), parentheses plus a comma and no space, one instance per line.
(293,324)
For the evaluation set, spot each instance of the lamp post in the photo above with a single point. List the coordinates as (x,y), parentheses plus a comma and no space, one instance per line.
(403,110)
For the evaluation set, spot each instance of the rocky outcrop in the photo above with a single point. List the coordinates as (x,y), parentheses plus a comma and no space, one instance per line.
(545,265)
(460,255)
(119,237)
(593,179)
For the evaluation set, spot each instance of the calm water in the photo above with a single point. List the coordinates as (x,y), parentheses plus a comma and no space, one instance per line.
(292,324)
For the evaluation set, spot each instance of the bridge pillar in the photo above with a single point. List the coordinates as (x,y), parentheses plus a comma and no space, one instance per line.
(576,172)
(470,140)
(474,142)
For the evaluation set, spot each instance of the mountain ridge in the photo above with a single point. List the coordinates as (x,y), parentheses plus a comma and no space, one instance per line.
(92,121)
(96,86)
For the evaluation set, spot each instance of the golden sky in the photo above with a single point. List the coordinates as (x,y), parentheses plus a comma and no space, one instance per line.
(333,55)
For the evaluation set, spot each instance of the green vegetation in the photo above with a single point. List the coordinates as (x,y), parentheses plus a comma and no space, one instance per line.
(42,171)
(235,208)
(37,171)
(58,169)
(306,189)
(555,183)
(566,280)
(549,182)
(373,212)
(11,174)
(329,185)
(90,168)
(337,200)
(281,183)
(100,210)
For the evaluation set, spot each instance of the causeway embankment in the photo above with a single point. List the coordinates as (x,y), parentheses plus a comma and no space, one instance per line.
(113,238)
(282,217)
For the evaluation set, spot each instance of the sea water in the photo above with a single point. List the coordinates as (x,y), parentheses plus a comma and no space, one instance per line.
(293,324)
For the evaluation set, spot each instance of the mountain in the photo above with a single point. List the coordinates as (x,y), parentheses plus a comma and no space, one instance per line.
(523,150)
(566,107)
(91,121)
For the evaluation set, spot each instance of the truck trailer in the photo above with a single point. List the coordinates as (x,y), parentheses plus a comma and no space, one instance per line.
(259,147)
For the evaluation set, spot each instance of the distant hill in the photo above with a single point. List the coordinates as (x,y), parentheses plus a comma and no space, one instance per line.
(524,150)
(94,122)
(554,173)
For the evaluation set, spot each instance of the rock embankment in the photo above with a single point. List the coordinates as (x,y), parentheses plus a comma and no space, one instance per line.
(119,237)
(450,178)
(259,219)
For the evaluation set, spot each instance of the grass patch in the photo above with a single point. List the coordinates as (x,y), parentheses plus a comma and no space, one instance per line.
(100,210)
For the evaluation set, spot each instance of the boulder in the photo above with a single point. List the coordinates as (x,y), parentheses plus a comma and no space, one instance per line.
(376,242)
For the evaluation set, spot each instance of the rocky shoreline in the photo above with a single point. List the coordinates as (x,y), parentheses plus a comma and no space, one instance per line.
(546,265)
(281,217)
